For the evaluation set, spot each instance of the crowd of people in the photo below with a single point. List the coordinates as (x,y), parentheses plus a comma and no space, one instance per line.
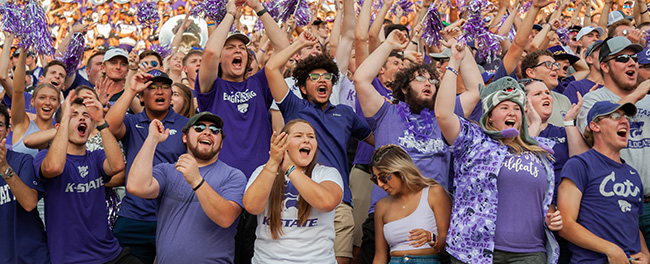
(352,139)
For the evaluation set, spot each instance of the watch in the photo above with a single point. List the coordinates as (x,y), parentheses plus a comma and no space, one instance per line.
(8,173)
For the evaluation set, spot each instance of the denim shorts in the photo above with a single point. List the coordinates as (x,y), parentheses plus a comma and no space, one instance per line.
(428,259)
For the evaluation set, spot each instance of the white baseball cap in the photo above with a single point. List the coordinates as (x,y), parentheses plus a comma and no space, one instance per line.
(115,52)
(588,29)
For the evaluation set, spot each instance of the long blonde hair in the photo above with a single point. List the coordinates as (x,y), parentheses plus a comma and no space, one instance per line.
(393,159)
(517,145)
(276,196)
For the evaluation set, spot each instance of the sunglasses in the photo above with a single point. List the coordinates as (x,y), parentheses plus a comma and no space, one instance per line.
(627,6)
(623,58)
(153,64)
(548,65)
(154,87)
(421,78)
(383,178)
(571,9)
(326,76)
(200,127)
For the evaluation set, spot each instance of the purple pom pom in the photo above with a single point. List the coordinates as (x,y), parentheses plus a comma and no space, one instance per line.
(563,33)
(12,18)
(37,37)
(74,54)
(299,8)
(148,15)
(510,132)
(524,8)
(215,10)
(486,42)
(274,12)
(406,5)
(432,26)
(163,51)
(376,5)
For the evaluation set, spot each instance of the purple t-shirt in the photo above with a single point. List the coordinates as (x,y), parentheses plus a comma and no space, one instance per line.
(612,201)
(561,149)
(365,150)
(501,72)
(22,232)
(244,108)
(185,234)
(431,155)
(521,185)
(562,84)
(137,130)
(583,86)
(75,210)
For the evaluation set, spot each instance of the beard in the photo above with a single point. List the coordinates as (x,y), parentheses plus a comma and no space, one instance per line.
(619,80)
(202,155)
(417,105)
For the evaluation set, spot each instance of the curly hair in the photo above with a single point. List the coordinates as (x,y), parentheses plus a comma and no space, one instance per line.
(314,62)
(404,77)
(532,59)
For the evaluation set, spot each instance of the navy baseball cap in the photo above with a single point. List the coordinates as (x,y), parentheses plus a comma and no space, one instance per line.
(607,107)
(159,76)
(644,56)
(559,52)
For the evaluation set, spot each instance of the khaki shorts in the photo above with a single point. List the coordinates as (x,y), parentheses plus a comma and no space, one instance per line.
(344,227)
(361,188)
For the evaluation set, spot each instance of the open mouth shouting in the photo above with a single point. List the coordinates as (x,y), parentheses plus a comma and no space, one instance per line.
(47,110)
(622,133)
(205,142)
(510,122)
(631,74)
(55,83)
(82,129)
(304,151)
(237,62)
(322,90)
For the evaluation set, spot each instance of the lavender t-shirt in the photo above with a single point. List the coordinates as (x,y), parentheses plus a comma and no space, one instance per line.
(185,234)
(432,155)
(75,210)
(244,107)
(365,150)
(521,185)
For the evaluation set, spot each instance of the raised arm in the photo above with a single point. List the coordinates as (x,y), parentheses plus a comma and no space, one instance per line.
(335,35)
(176,41)
(577,144)
(472,79)
(276,35)
(446,98)
(114,162)
(373,34)
(140,181)
(511,59)
(344,50)
(369,99)
(278,86)
(361,33)
(54,162)
(115,116)
(5,56)
(256,196)
(19,118)
(212,52)
(604,14)
(26,196)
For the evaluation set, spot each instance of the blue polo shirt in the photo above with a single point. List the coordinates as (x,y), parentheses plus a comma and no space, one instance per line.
(334,126)
(137,130)
(22,232)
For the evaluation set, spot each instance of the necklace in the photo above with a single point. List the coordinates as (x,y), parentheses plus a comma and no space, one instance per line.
(420,127)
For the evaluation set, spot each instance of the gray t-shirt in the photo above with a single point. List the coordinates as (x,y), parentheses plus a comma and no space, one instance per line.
(638,143)
(561,105)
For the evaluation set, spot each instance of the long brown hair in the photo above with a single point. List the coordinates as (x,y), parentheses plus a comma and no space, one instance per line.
(276,196)
(393,159)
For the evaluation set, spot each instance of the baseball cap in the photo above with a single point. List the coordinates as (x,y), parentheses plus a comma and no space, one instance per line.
(238,35)
(115,52)
(615,16)
(588,29)
(615,45)
(445,54)
(204,116)
(159,76)
(607,107)
(593,46)
(559,52)
(538,27)
(644,56)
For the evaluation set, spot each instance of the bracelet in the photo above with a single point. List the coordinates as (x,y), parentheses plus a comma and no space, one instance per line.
(133,68)
(261,12)
(102,126)
(646,11)
(452,70)
(232,13)
(286,173)
(263,51)
(415,43)
(212,24)
(200,183)
(570,122)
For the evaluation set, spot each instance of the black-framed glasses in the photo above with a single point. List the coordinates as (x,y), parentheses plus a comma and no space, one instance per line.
(316,76)
(623,58)
(421,78)
(154,87)
(200,127)
(528,81)
(548,64)
(383,178)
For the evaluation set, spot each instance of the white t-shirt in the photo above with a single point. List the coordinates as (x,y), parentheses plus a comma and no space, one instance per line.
(311,243)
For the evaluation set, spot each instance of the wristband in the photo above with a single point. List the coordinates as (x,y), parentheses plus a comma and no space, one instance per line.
(102,126)
(569,122)
(212,24)
(414,43)
(200,183)
(232,13)
(263,51)
(286,173)
(261,12)
(646,11)
(452,70)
